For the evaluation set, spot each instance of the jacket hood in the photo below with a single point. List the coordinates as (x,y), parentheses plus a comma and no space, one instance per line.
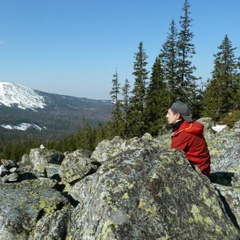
(191,127)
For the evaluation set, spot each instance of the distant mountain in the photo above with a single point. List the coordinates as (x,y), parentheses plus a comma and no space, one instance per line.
(32,114)
(12,94)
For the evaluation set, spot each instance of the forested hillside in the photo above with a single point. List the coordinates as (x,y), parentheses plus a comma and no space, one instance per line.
(60,119)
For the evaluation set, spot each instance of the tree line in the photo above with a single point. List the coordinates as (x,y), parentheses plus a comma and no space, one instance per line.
(172,78)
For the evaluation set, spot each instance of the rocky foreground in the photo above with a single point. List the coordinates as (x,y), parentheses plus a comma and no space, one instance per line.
(135,189)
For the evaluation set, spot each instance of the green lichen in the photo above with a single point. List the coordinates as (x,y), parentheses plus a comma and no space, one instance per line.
(125,196)
(42,204)
(142,203)
(46,206)
(152,210)
(191,220)
(208,202)
(92,189)
(196,213)
(40,167)
(168,190)
(106,230)
(208,220)
(167,237)
(114,208)
(109,200)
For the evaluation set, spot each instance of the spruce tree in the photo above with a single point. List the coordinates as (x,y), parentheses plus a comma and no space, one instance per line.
(157,100)
(125,106)
(186,81)
(100,133)
(169,58)
(220,96)
(135,117)
(84,136)
(126,97)
(115,87)
(115,123)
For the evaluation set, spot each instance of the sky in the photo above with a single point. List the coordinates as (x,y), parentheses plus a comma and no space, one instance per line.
(73,47)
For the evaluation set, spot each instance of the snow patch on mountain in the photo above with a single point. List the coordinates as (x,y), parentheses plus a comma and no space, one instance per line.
(20,95)
(22,126)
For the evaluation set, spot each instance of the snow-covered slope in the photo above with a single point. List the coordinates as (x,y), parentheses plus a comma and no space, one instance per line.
(19,95)
(28,113)
(21,126)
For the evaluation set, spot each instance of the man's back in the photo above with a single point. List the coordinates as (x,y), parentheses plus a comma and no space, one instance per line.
(189,138)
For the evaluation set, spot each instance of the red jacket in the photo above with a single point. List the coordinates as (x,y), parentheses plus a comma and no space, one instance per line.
(189,138)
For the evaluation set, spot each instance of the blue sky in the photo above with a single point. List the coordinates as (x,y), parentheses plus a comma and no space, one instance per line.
(73,47)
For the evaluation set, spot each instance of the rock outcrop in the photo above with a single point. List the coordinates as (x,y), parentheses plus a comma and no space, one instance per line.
(125,189)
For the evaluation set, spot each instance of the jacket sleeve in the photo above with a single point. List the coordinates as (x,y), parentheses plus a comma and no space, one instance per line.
(180,141)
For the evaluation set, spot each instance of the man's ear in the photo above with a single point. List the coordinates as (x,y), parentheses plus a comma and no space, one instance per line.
(178,116)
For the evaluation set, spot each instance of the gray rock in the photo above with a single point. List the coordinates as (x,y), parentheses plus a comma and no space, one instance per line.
(23,205)
(225,169)
(3,171)
(107,149)
(42,156)
(8,171)
(11,177)
(236,126)
(52,225)
(224,149)
(8,164)
(76,166)
(36,162)
(148,193)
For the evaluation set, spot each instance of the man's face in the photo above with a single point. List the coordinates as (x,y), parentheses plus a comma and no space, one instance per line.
(172,117)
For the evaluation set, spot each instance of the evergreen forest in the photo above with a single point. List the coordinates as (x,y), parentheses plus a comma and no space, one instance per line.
(142,107)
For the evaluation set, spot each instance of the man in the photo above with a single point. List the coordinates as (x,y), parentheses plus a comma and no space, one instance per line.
(188,136)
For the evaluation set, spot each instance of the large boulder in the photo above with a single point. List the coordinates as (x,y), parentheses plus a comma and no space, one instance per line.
(39,157)
(148,193)
(41,162)
(107,149)
(75,166)
(23,204)
(224,147)
(53,225)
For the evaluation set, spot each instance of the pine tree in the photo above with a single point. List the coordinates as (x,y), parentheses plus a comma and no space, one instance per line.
(220,96)
(186,81)
(135,117)
(157,100)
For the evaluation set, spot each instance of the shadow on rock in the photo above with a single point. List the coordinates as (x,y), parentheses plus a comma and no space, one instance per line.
(222,178)
(228,210)
(225,179)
